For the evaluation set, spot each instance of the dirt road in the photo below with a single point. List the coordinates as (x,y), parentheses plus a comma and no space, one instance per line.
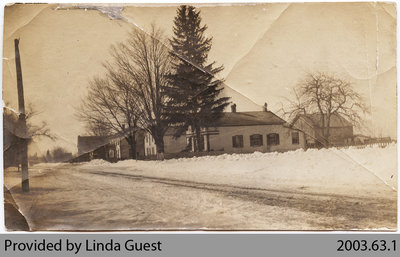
(72,198)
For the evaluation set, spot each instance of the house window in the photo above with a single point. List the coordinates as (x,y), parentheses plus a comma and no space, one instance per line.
(295,138)
(273,139)
(237,141)
(256,140)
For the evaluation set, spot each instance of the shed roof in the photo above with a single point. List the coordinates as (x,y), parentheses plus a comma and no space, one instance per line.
(315,120)
(89,143)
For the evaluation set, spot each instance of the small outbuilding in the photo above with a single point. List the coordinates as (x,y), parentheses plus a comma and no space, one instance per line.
(340,129)
(111,148)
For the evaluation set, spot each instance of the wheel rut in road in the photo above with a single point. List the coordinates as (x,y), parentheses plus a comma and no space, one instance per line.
(355,211)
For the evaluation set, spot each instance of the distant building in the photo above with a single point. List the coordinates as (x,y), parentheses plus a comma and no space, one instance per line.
(110,148)
(340,130)
(95,147)
(90,143)
(361,139)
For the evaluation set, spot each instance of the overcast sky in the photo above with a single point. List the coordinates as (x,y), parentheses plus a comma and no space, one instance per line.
(265,49)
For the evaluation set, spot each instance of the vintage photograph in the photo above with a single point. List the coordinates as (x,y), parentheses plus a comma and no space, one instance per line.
(216,117)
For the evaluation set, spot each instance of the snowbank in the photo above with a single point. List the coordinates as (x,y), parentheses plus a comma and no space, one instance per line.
(97,162)
(351,171)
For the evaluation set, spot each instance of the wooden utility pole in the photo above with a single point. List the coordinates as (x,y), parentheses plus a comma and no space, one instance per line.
(23,151)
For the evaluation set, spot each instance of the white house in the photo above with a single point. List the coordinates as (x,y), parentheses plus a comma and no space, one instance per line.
(246,132)
(235,132)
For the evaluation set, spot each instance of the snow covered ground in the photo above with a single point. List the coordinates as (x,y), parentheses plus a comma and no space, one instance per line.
(349,171)
(337,189)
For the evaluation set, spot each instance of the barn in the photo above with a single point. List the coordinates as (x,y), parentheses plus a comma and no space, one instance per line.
(340,129)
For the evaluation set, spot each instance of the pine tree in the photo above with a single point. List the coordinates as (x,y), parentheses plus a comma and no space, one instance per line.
(194,91)
(48,156)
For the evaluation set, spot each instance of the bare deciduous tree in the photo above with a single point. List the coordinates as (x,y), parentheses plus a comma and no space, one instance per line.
(141,66)
(108,108)
(326,95)
(34,130)
(131,94)
(16,138)
(37,130)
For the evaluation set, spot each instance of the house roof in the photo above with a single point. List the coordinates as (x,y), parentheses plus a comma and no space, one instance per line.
(248,119)
(89,143)
(315,120)
(360,135)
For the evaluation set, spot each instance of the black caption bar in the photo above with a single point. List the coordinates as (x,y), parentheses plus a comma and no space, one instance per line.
(189,244)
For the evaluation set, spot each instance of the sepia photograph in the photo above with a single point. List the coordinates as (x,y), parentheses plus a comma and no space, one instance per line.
(192,117)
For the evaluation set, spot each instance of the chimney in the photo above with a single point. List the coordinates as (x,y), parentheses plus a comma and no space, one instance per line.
(233,107)
(265,107)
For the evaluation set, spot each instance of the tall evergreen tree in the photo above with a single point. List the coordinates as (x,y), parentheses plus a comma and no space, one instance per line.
(194,91)
(48,156)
